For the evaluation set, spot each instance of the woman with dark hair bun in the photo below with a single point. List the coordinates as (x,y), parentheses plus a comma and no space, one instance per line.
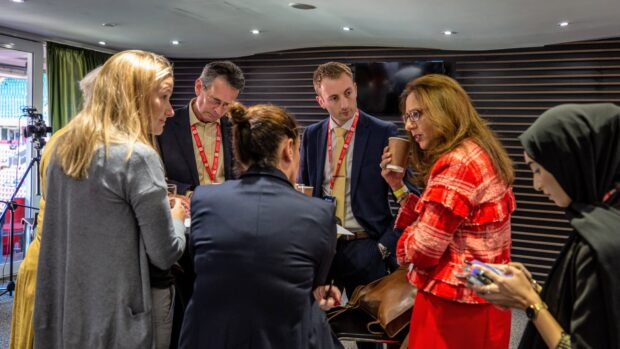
(262,250)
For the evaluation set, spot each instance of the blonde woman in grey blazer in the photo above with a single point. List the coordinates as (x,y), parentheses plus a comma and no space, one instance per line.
(107,213)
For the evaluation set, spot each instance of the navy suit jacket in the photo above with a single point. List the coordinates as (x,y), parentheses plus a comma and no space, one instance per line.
(260,248)
(177,151)
(369,191)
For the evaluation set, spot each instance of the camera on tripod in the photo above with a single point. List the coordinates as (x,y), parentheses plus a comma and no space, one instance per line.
(37,129)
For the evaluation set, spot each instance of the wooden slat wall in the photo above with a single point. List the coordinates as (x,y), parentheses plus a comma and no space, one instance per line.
(510,88)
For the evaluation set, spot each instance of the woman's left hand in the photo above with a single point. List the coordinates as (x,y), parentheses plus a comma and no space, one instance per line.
(514,290)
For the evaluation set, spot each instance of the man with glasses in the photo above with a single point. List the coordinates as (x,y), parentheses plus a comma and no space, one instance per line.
(196,148)
(340,157)
(196,144)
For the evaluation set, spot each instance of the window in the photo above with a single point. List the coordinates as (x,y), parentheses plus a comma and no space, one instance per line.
(21,85)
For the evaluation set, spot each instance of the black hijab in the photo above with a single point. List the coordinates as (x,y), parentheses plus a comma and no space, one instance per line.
(580,146)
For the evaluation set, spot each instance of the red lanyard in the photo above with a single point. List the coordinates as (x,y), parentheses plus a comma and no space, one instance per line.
(216,156)
(343,152)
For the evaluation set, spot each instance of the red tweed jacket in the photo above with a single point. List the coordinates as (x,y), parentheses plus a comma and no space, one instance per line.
(463,214)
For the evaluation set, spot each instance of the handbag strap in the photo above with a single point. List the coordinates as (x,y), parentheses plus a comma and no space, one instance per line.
(370,325)
(342,309)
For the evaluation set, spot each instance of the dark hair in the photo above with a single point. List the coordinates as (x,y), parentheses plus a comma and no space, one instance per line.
(258,131)
(229,70)
(329,70)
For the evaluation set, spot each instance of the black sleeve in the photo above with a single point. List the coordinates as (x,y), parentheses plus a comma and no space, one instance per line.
(303,175)
(588,320)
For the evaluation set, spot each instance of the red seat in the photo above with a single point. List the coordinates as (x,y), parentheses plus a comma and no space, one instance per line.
(19,215)
(19,228)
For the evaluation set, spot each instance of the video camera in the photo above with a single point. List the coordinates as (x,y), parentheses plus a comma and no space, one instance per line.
(37,129)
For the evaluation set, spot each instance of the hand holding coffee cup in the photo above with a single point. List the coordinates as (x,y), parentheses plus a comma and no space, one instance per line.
(306,189)
(393,178)
(399,149)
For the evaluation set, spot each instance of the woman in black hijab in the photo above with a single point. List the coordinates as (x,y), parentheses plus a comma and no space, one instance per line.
(574,153)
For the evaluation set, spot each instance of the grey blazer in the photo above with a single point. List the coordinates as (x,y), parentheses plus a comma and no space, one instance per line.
(99,235)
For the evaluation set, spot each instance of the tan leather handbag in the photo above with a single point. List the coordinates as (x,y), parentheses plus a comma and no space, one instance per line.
(388,300)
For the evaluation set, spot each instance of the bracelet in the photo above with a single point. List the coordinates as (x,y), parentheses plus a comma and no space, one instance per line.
(402,198)
(532,311)
(564,342)
(400,192)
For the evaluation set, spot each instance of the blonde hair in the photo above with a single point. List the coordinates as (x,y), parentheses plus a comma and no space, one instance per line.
(450,111)
(329,70)
(119,110)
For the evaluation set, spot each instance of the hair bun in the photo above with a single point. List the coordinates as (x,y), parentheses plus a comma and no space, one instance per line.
(237,112)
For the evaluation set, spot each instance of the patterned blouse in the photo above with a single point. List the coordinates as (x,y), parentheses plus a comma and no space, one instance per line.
(463,214)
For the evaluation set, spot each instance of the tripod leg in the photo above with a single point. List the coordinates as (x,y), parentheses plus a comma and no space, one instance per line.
(11,207)
(10,286)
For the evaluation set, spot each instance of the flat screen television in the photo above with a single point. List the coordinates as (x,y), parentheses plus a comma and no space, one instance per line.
(379,84)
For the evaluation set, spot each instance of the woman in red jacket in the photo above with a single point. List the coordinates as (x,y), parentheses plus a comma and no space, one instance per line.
(463,214)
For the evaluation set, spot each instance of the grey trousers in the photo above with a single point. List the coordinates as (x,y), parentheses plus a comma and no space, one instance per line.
(163,309)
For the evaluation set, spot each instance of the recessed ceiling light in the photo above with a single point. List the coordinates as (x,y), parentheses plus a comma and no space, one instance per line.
(255,31)
(18,1)
(301,6)
(347,29)
(563,24)
(102,43)
(448,32)
(175,42)
(108,25)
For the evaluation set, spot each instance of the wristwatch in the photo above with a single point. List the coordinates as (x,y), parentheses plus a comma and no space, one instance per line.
(532,311)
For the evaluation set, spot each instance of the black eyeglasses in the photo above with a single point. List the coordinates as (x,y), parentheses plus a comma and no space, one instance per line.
(413,115)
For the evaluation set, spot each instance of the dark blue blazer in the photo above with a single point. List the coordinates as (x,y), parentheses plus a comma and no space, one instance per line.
(177,151)
(369,191)
(260,248)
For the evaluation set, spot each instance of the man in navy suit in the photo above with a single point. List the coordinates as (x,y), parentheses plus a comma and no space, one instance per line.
(189,146)
(196,148)
(364,207)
